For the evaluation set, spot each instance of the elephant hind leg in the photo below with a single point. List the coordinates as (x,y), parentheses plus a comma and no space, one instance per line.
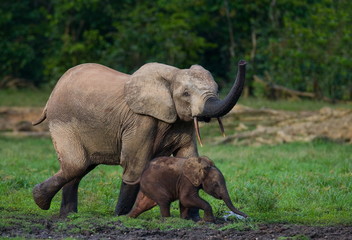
(44,192)
(143,203)
(73,165)
(69,200)
(164,209)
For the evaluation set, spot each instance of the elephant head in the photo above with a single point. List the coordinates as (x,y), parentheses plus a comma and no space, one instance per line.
(168,93)
(202,172)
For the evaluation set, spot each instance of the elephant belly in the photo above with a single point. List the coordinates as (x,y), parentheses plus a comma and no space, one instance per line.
(98,145)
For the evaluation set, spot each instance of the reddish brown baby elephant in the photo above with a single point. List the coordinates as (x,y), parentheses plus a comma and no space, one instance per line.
(167,179)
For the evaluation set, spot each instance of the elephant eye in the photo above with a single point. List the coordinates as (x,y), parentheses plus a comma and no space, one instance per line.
(185,94)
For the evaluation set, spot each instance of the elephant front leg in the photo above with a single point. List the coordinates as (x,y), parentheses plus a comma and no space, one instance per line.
(136,152)
(195,202)
(183,211)
(127,198)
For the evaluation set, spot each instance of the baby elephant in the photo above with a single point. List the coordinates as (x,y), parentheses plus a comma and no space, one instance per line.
(167,179)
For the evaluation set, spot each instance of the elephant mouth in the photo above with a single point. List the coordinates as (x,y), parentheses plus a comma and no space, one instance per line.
(204,119)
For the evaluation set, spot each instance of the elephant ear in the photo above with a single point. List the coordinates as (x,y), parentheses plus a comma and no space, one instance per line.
(195,169)
(148,91)
(208,161)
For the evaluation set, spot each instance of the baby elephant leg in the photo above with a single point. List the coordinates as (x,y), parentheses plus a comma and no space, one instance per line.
(143,203)
(191,201)
(183,211)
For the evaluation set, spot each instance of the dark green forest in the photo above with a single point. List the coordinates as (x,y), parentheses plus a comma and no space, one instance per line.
(305,45)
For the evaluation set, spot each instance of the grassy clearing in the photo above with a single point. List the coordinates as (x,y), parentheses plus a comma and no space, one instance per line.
(308,183)
(298,183)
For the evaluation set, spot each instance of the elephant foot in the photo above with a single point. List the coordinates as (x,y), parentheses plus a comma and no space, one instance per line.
(193,214)
(41,198)
(67,209)
(128,195)
(65,213)
(209,219)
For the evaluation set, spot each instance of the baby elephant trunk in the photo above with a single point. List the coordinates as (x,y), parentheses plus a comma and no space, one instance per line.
(227,200)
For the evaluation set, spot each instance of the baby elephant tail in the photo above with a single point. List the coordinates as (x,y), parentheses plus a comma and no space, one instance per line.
(41,119)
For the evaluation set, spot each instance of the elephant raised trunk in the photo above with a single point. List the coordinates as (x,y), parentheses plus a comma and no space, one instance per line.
(215,108)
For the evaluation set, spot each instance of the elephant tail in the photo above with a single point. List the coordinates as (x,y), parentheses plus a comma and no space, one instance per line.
(43,115)
(41,119)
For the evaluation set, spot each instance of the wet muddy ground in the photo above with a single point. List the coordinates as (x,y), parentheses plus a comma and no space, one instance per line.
(49,229)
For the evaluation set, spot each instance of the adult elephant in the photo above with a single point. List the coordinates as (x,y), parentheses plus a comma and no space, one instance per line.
(100,116)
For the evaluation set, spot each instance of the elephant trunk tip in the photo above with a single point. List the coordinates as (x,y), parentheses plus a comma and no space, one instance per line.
(227,200)
(242,62)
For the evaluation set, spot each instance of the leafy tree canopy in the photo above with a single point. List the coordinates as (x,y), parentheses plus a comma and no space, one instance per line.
(303,45)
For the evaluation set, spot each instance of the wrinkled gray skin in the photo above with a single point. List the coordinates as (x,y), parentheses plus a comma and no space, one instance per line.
(100,116)
(167,179)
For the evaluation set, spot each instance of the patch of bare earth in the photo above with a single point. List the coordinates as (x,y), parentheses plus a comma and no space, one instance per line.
(248,126)
(18,121)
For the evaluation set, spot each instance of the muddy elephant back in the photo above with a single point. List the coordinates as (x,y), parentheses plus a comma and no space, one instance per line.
(167,163)
(162,168)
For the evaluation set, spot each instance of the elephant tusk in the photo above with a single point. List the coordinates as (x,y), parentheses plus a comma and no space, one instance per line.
(221,127)
(196,126)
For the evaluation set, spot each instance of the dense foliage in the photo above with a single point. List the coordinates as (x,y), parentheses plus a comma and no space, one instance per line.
(304,45)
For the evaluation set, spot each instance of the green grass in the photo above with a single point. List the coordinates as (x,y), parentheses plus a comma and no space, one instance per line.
(306,183)
(297,183)
(24,97)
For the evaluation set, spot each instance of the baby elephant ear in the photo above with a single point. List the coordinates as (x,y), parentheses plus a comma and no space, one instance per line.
(207,160)
(195,170)
(148,92)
